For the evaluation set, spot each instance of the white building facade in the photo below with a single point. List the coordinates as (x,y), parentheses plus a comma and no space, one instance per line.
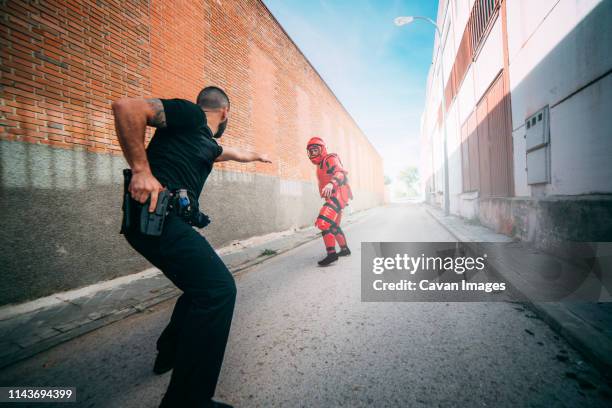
(528,108)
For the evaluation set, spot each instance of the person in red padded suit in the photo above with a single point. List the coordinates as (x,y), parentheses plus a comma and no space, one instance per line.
(334,188)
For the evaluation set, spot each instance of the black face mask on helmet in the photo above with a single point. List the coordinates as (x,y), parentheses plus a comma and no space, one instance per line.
(220,129)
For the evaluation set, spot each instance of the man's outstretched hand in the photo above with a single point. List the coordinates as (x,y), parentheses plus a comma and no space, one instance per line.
(143,185)
(242,156)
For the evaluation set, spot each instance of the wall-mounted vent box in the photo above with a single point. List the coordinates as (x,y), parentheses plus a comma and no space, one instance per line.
(537,130)
(537,147)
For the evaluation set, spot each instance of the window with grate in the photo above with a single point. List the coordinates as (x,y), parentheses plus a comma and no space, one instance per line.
(481,16)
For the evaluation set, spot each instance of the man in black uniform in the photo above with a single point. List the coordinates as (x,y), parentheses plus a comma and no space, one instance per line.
(180,156)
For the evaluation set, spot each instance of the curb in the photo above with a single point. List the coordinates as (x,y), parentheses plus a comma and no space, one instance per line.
(86,327)
(588,341)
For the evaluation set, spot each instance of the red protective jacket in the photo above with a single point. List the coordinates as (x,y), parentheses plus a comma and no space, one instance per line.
(330,170)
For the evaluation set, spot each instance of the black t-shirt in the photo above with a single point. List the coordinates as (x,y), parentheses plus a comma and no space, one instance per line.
(181,155)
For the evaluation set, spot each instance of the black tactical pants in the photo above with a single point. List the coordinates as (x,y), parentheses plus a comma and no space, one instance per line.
(200,323)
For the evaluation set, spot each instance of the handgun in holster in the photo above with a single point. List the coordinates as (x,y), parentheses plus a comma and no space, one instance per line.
(151,223)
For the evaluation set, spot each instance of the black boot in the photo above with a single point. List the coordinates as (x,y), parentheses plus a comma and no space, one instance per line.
(164,362)
(331,257)
(344,252)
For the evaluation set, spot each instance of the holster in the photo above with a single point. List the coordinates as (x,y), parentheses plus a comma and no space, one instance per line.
(149,223)
(152,223)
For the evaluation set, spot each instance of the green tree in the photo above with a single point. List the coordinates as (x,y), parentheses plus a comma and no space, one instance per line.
(410,177)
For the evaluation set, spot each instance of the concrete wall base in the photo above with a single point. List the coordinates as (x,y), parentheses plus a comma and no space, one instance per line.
(551,221)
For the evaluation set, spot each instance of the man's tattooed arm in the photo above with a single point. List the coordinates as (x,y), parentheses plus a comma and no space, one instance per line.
(158,116)
(132,115)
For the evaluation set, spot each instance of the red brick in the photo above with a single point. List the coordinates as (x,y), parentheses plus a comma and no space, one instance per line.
(154,49)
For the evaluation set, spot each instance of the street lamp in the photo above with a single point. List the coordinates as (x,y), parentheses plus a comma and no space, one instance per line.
(400,21)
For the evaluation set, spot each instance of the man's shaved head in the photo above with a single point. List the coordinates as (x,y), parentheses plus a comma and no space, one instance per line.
(213,97)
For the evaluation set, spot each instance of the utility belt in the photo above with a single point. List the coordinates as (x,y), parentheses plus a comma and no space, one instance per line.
(175,201)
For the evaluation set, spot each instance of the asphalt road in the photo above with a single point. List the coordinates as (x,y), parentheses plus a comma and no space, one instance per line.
(302,337)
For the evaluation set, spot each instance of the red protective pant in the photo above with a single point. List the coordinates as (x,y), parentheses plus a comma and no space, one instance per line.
(328,222)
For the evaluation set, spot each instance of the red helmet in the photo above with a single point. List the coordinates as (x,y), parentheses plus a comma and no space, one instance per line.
(316,157)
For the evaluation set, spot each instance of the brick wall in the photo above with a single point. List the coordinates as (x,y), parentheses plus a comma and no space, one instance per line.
(64,62)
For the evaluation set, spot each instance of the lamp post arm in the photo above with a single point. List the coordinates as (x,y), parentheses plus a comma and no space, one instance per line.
(430,21)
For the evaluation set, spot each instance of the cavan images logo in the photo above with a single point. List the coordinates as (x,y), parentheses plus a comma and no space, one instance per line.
(414,265)
(429,272)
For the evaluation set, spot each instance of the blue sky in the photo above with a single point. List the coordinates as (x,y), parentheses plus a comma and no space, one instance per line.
(377,70)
